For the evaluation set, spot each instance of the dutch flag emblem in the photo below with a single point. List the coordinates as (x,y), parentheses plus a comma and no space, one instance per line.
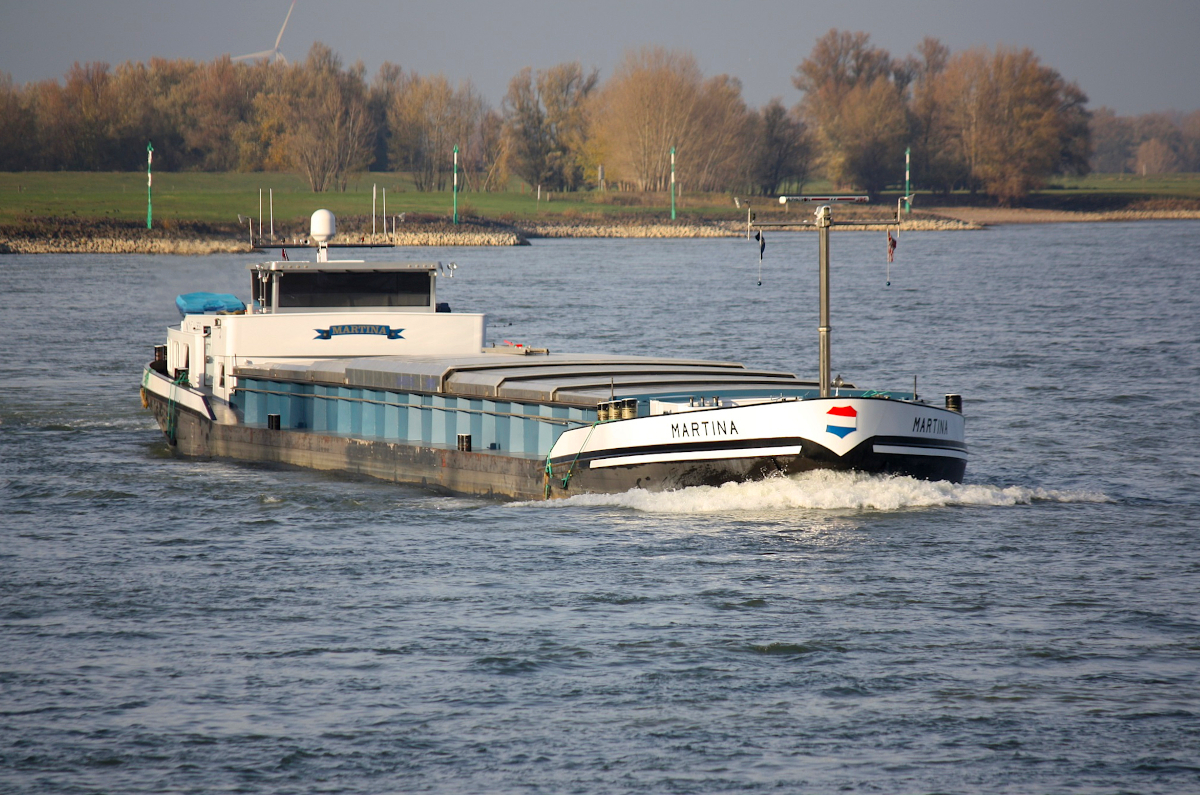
(846,418)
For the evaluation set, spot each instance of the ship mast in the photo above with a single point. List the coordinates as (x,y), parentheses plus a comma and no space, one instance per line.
(824,220)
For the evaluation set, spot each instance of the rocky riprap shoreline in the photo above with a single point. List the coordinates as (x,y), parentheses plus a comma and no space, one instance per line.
(119,245)
(558,229)
(81,236)
(52,237)
(76,236)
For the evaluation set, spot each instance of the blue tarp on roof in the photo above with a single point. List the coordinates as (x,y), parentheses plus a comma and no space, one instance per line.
(208,303)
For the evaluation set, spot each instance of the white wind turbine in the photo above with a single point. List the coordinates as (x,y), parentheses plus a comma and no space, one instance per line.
(273,54)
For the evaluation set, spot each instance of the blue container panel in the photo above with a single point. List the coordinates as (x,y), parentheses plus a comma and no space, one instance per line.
(367,414)
(324,411)
(420,419)
(500,438)
(395,422)
(426,420)
(475,424)
(304,411)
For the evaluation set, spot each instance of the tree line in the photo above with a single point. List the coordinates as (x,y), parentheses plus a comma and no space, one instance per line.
(1153,143)
(996,121)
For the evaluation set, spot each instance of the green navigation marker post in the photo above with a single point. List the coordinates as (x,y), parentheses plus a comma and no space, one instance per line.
(907,186)
(455,188)
(672,183)
(149,184)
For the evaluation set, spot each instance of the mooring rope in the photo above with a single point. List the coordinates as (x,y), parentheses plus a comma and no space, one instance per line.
(570,469)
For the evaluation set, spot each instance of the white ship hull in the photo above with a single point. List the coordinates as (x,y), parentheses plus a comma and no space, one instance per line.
(690,447)
(715,445)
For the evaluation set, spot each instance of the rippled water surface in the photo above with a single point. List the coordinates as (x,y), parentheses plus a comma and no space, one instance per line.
(171,625)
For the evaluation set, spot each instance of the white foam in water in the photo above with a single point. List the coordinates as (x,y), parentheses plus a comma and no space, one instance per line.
(825,490)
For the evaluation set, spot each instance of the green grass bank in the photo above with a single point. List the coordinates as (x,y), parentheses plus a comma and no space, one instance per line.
(197,212)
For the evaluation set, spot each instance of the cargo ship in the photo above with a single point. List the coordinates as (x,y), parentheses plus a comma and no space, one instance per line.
(356,367)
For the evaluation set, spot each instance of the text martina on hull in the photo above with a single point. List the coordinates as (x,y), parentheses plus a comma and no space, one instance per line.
(932,425)
(691,430)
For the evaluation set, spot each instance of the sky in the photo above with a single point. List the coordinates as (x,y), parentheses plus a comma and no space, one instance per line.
(1132,56)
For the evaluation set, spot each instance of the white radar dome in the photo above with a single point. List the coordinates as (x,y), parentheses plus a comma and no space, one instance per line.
(323,226)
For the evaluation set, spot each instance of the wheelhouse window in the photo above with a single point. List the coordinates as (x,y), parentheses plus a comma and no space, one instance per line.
(354,289)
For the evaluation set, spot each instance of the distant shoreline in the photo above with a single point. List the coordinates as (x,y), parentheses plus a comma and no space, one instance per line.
(63,236)
(1000,216)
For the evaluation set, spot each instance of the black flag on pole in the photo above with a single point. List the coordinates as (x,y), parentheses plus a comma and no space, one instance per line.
(762,245)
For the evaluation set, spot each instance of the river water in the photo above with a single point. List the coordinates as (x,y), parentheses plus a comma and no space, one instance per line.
(171,625)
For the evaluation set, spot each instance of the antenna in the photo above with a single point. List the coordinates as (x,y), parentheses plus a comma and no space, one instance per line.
(272,54)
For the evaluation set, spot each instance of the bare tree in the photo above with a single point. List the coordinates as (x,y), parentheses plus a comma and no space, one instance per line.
(854,96)
(217,102)
(1012,120)
(262,138)
(782,149)
(1190,151)
(319,119)
(487,153)
(648,107)
(172,111)
(388,83)
(74,121)
(722,142)
(1159,143)
(1156,156)
(546,126)
(866,143)
(839,61)
(1112,141)
(934,162)
(139,115)
(428,119)
(1075,137)
(527,130)
(16,127)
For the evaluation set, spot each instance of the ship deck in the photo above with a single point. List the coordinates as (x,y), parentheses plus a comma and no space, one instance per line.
(582,380)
